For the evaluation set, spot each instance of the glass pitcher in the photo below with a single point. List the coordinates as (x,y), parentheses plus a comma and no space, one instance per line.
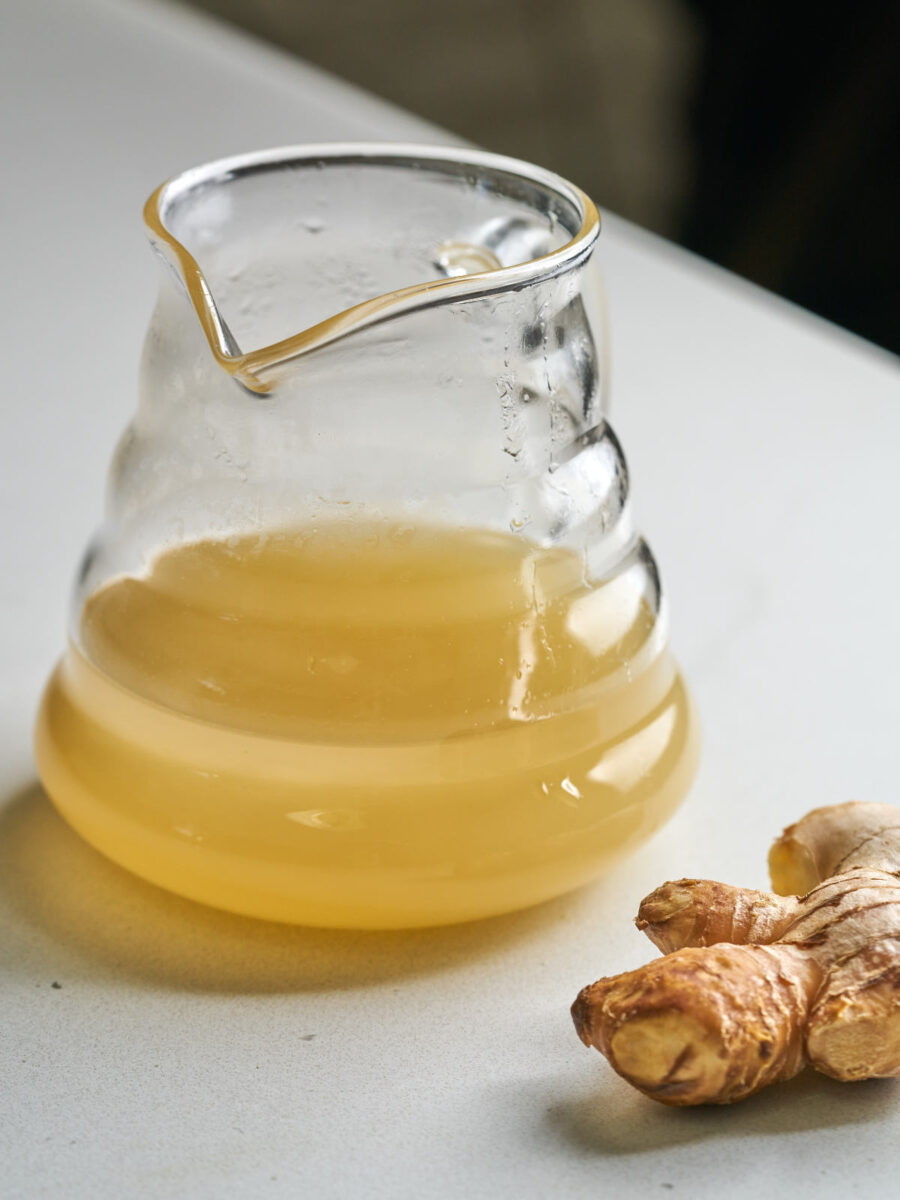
(367,638)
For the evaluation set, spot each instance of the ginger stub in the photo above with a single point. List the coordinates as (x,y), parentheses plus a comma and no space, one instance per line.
(754,986)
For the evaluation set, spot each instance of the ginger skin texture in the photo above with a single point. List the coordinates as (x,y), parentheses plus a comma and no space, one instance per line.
(754,986)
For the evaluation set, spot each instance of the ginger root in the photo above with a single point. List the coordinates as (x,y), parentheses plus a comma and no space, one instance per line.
(754,986)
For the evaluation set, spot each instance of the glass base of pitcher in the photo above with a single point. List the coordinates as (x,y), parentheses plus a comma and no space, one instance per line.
(328,837)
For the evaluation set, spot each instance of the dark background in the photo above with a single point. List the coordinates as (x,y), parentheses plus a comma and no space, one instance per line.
(763,135)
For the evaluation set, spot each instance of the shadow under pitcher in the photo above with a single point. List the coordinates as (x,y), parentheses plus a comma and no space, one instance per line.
(367,638)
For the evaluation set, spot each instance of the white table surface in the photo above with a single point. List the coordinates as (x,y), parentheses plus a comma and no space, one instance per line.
(187,1053)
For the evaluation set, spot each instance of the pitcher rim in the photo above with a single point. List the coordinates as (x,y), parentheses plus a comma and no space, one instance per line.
(246,366)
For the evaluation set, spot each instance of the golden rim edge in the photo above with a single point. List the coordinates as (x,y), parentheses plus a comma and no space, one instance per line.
(245,367)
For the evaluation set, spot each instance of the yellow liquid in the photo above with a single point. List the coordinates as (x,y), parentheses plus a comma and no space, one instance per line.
(369,727)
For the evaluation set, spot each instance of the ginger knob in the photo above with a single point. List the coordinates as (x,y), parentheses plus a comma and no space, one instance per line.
(754,986)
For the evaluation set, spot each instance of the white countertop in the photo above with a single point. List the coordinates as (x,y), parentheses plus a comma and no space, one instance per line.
(187,1053)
